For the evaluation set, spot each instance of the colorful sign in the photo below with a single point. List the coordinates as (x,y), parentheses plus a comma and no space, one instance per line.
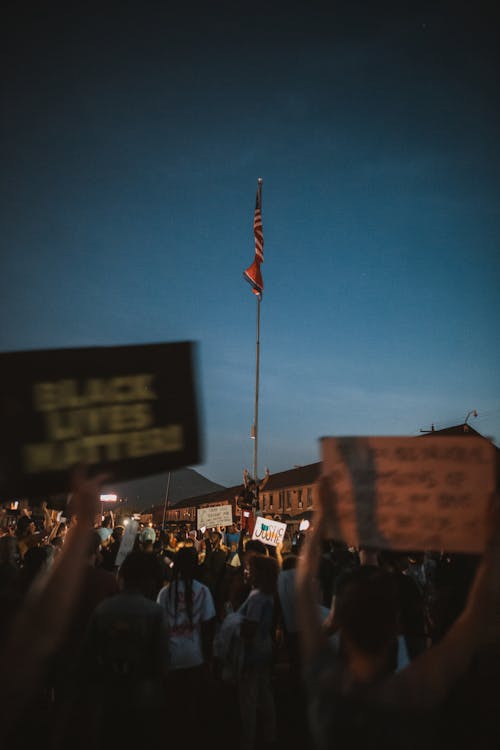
(269,531)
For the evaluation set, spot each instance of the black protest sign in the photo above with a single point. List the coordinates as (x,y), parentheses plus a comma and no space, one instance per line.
(130,411)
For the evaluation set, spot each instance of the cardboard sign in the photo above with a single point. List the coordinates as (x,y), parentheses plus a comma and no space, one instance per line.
(425,493)
(214,515)
(269,531)
(130,411)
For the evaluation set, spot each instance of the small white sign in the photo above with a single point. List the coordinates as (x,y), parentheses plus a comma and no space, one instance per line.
(214,515)
(269,531)
(127,542)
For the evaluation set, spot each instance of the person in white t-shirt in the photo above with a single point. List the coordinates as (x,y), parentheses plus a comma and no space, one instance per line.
(190,611)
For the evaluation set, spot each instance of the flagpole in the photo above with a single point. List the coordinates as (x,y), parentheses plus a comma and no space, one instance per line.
(256,405)
(254,277)
(165,503)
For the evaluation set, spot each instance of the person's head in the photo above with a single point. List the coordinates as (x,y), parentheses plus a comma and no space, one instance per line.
(185,563)
(8,550)
(262,572)
(215,540)
(138,574)
(286,544)
(290,562)
(255,546)
(148,534)
(35,561)
(105,535)
(117,533)
(392,561)
(183,572)
(57,543)
(172,540)
(366,609)
(93,546)
(25,527)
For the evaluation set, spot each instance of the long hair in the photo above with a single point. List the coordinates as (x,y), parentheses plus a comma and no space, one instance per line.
(185,563)
(263,570)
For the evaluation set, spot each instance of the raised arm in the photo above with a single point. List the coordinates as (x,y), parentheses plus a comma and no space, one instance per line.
(47,520)
(40,624)
(429,677)
(311,635)
(265,480)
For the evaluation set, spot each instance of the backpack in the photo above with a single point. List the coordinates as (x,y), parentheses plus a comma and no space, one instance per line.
(229,647)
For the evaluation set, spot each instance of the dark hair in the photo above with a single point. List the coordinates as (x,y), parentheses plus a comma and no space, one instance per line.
(8,550)
(215,539)
(263,571)
(93,544)
(185,564)
(289,562)
(255,545)
(34,562)
(138,572)
(23,525)
(366,608)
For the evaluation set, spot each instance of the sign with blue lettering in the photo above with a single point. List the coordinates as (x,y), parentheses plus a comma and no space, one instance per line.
(269,531)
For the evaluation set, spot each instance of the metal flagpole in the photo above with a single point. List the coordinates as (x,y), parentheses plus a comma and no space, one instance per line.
(166,502)
(254,277)
(256,405)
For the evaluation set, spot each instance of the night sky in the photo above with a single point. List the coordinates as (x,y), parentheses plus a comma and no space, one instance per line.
(132,137)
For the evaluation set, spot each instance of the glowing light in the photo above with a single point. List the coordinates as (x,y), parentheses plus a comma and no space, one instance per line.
(109,498)
(304,525)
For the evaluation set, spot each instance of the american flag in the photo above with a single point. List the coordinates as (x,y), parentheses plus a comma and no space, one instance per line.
(253,273)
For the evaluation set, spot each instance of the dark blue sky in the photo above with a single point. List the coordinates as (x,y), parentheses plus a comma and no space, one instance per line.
(132,140)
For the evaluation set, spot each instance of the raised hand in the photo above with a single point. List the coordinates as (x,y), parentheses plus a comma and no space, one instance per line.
(84,500)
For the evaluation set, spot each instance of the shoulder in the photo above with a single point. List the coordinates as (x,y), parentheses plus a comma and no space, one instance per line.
(201,590)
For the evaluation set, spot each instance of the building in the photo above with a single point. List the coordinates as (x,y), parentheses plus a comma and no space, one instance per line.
(289,495)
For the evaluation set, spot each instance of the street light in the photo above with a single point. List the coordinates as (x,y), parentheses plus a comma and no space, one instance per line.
(107,499)
(473,412)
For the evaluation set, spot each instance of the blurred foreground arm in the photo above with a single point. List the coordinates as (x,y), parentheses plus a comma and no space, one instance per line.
(312,636)
(428,679)
(41,622)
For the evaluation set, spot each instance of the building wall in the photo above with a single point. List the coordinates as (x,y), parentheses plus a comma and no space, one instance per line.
(188,514)
(289,500)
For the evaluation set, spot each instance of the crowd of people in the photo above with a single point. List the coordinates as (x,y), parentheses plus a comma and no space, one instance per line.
(207,635)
